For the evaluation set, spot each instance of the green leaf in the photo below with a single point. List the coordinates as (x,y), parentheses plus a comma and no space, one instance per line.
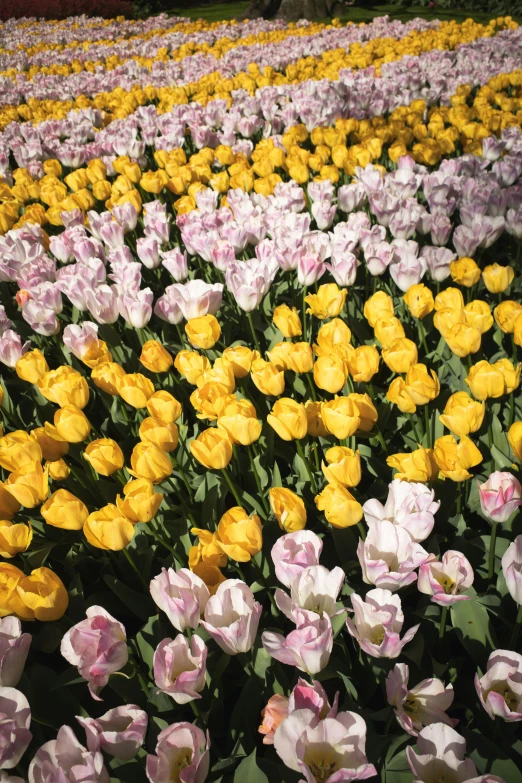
(141,605)
(501,460)
(473,628)
(277,481)
(249,771)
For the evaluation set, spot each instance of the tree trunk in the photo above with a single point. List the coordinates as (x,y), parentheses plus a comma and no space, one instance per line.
(290,10)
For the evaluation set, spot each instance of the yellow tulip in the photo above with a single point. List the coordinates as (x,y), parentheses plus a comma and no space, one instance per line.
(136,389)
(343,466)
(191,365)
(44,595)
(462,415)
(203,332)
(418,465)
(419,300)
(288,508)
(240,358)
(267,378)
(105,456)
(150,462)
(422,384)
(240,536)
(328,302)
(162,434)
(164,406)
(363,363)
(288,418)
(140,503)
(287,320)
(71,424)
(330,373)
(108,377)
(340,507)
(454,458)
(64,510)
(108,529)
(515,439)
(485,380)
(212,449)
(64,386)
(465,272)
(155,357)
(497,278)
(14,538)
(29,484)
(31,366)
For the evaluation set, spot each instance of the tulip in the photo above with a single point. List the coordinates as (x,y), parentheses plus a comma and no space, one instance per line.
(108,529)
(150,462)
(515,439)
(419,300)
(314,589)
(478,314)
(51,445)
(420,706)
(422,385)
(378,307)
(462,415)
(465,272)
(445,581)
(104,455)
(340,507)
(71,424)
(12,603)
(97,646)
(108,376)
(486,380)
(500,496)
(499,688)
(64,510)
(136,389)
(328,302)
(164,406)
(389,557)
(377,623)
(506,315)
(398,394)
(294,552)
(463,339)
(83,342)
(454,459)
(308,647)
(273,714)
(181,595)
(11,348)
(14,538)
(240,358)
(240,536)
(288,419)
(203,332)
(14,726)
(9,505)
(66,760)
(343,466)
(335,332)
(299,357)
(180,668)
(232,617)
(43,596)
(497,278)
(268,378)
(182,755)
(161,434)
(330,373)
(238,418)
(28,485)
(196,298)
(287,320)
(64,386)
(155,357)
(363,363)
(401,355)
(389,329)
(18,449)
(441,754)
(120,732)
(31,366)
(341,417)
(512,569)
(212,449)
(14,648)
(140,502)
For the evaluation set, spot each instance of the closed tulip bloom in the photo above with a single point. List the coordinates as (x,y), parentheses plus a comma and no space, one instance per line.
(108,529)
(181,595)
(510,373)
(31,366)
(341,417)
(64,386)
(363,363)
(419,300)
(400,355)
(497,278)
(203,332)
(343,466)
(240,536)
(463,339)
(422,384)
(387,330)
(58,470)
(108,377)
(499,690)
(14,648)
(514,439)
(210,399)
(441,754)
(378,307)
(9,505)
(14,727)
(97,646)
(512,569)
(465,272)
(389,556)
(340,507)
(506,314)
(221,372)
(517,330)
(377,623)
(272,715)
(105,456)
(136,389)
(328,302)
(212,449)
(314,417)
(444,581)
(367,411)
(420,706)
(330,373)
(140,503)
(12,603)
(155,357)
(399,395)
(71,424)
(158,432)
(294,552)
(419,465)
(454,458)
(67,758)
(288,508)
(28,485)
(164,406)
(44,595)
(18,449)
(232,617)
(299,357)
(150,462)
(180,667)
(14,538)
(240,358)
(478,314)
(500,496)
(238,419)
(450,298)
(120,732)
(462,415)
(485,380)
(335,332)
(288,418)
(64,510)
(448,319)
(191,365)
(267,378)
(181,749)
(53,448)
(287,320)
(307,648)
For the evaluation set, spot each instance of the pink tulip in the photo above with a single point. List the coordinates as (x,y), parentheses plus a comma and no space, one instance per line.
(120,732)
(181,595)
(41,319)
(65,760)
(97,646)
(80,338)
(500,689)
(167,308)
(15,719)
(102,303)
(343,268)
(275,711)
(14,648)
(315,589)
(126,216)
(312,697)
(308,647)
(417,707)
(389,557)
(11,348)
(309,269)
(182,755)
(512,568)
(180,668)
(232,617)
(500,496)
(377,624)
(444,581)
(136,307)
(332,749)
(196,298)
(176,263)
(294,552)
(147,250)
(409,505)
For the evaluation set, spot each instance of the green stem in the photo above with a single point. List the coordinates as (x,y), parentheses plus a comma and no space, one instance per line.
(198,715)
(308,467)
(135,569)
(258,482)
(304,314)
(231,486)
(516,629)
(362,531)
(492,542)
(427,425)
(254,335)
(184,478)
(512,409)
(164,543)
(415,430)
(380,437)
(443,618)
(311,386)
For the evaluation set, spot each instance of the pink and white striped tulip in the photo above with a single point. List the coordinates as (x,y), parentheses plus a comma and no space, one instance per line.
(15,719)
(308,647)
(420,706)
(512,569)
(14,648)
(294,552)
(377,623)
(181,595)
(500,688)
(180,667)
(500,496)
(232,617)
(119,732)
(315,589)
(445,581)
(67,761)
(409,505)
(182,755)
(389,557)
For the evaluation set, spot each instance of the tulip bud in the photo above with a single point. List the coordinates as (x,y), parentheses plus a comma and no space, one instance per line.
(497,278)
(150,462)
(232,617)
(330,373)
(500,496)
(288,418)
(343,466)
(161,434)
(400,355)
(162,405)
(31,366)
(136,389)
(14,538)
(419,300)
(377,307)
(287,320)
(203,332)
(104,455)
(299,357)
(240,536)
(288,508)
(273,714)
(155,357)
(340,507)
(268,379)
(71,424)
(514,439)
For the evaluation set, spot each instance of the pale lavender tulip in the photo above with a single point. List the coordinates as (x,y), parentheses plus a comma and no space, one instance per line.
(308,647)
(249,282)
(196,298)
(440,756)
(500,688)
(167,308)
(11,348)
(148,251)
(466,241)
(181,595)
(126,216)
(438,260)
(420,706)
(112,235)
(14,648)
(377,623)
(441,228)
(500,496)
(15,719)
(97,646)
(512,569)
(514,223)
(335,746)
(5,323)
(182,755)
(120,732)
(232,617)
(409,505)
(176,263)
(221,253)
(180,667)
(102,303)
(126,273)
(309,269)
(88,248)
(378,257)
(343,268)
(321,190)
(351,197)
(80,338)
(294,552)
(492,148)
(389,557)
(324,213)
(408,271)
(65,760)
(315,589)
(41,319)
(61,248)
(445,581)
(136,307)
